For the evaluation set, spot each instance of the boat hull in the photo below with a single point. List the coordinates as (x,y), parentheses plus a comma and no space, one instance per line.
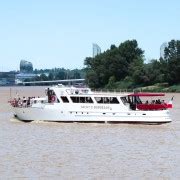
(64,115)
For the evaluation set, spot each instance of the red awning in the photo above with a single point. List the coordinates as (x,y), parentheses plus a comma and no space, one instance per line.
(152,106)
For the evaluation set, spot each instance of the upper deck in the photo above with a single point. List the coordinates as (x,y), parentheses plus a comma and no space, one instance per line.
(74,91)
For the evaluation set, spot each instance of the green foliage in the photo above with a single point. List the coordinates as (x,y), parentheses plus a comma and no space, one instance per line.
(174,88)
(124,85)
(124,67)
(172,59)
(61,75)
(58,74)
(116,62)
(43,77)
(111,84)
(92,79)
(160,87)
(51,76)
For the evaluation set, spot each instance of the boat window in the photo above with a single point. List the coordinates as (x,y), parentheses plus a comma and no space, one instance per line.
(64,99)
(130,99)
(77,99)
(107,100)
(124,100)
(134,100)
(137,100)
(85,91)
(114,100)
(89,100)
(82,100)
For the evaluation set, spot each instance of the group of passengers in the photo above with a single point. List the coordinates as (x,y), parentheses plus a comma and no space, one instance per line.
(158,101)
(24,102)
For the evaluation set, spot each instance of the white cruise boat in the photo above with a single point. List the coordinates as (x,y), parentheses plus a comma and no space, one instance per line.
(69,104)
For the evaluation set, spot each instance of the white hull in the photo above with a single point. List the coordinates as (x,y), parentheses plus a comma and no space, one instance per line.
(48,114)
(72,104)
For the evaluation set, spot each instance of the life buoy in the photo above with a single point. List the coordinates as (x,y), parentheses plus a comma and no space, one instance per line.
(53,98)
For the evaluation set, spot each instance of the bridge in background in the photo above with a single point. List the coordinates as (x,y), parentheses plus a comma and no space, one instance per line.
(64,81)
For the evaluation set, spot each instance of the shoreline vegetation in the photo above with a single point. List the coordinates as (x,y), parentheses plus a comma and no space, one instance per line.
(159,87)
(125,67)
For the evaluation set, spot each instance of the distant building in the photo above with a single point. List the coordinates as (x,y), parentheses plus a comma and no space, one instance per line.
(3,81)
(26,67)
(26,72)
(7,78)
(96,50)
(21,77)
(162,48)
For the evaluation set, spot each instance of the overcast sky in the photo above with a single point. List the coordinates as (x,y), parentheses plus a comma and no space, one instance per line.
(58,33)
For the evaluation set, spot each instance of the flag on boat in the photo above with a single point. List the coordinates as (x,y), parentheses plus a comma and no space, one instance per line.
(169,105)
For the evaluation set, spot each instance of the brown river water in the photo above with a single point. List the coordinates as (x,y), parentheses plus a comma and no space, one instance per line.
(49,150)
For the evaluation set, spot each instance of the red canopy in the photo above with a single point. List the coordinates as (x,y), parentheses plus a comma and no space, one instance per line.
(147,94)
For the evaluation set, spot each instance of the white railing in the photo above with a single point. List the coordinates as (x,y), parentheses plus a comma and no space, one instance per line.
(115,91)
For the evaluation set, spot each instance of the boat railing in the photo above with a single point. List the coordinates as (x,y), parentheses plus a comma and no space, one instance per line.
(25,103)
(115,91)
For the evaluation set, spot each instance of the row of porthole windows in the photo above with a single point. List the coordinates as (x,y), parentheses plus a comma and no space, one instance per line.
(102,113)
(88,113)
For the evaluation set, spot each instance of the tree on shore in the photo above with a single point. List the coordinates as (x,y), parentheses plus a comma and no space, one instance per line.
(172,59)
(125,65)
(117,62)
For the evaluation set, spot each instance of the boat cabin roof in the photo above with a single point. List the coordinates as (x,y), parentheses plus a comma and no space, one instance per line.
(147,94)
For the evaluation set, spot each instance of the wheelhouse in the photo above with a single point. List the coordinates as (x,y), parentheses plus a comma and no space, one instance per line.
(152,102)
